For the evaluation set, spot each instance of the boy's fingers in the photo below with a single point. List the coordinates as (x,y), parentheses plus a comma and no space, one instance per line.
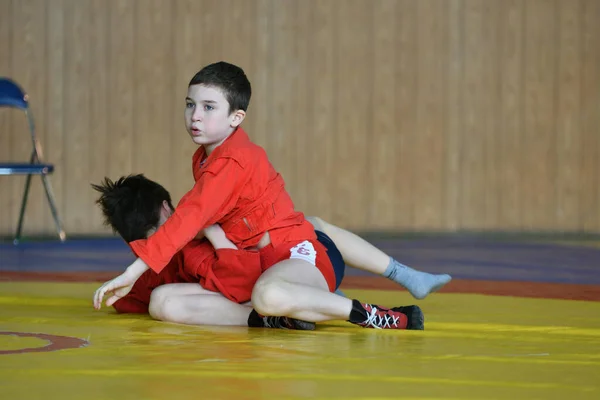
(98,298)
(96,293)
(109,288)
(100,295)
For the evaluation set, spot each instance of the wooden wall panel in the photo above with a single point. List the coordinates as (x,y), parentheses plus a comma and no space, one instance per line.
(282,101)
(453,113)
(121,88)
(406,166)
(381,203)
(538,199)
(589,115)
(186,42)
(259,115)
(429,137)
(301,100)
(568,124)
(320,112)
(154,109)
(475,99)
(391,114)
(353,138)
(78,91)
(100,145)
(510,114)
(489,128)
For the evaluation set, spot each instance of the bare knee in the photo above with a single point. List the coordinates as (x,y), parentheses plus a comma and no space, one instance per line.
(158,300)
(271,297)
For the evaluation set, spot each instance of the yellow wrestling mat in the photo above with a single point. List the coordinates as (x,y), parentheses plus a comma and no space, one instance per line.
(474,347)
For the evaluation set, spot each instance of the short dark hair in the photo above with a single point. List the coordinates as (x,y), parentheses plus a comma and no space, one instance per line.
(229,78)
(131,205)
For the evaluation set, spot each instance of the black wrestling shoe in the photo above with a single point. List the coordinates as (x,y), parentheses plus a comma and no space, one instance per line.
(288,323)
(416,319)
(256,320)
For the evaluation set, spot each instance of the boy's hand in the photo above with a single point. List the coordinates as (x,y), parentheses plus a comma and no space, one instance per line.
(121,285)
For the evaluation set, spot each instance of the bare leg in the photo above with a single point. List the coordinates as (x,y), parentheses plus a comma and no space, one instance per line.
(356,251)
(361,254)
(189,303)
(295,288)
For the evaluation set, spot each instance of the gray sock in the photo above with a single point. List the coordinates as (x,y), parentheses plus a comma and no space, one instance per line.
(418,283)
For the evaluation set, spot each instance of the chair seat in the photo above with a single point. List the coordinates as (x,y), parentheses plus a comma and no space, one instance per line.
(25,169)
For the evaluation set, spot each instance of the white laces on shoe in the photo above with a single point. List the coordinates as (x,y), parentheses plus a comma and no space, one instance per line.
(380,322)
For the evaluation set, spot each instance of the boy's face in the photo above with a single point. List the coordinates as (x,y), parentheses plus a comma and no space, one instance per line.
(207,116)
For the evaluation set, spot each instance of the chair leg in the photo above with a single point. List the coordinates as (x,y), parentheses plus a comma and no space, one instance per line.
(22,213)
(61,233)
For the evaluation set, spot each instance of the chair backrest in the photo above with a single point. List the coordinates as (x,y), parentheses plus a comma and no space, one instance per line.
(11,94)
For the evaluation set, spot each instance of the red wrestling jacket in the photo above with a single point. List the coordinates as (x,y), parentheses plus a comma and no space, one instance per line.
(230,272)
(237,187)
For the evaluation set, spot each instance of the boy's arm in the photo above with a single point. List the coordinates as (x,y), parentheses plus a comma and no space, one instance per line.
(215,194)
(216,236)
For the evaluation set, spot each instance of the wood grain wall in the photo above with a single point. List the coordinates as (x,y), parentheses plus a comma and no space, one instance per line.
(387,114)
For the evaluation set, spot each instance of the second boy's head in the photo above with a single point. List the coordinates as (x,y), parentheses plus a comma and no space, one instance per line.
(216,103)
(134,206)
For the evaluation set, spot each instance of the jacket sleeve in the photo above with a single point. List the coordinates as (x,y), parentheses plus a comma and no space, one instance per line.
(215,194)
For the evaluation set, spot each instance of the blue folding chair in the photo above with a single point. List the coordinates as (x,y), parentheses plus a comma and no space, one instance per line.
(11,95)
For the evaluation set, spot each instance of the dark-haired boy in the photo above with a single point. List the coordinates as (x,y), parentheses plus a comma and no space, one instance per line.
(135,207)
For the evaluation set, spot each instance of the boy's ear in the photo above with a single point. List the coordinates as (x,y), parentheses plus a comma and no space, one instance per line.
(237,117)
(166,208)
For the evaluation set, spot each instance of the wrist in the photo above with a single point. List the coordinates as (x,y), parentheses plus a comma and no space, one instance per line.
(137,268)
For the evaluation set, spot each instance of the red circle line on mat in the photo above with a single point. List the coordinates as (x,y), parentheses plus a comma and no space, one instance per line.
(55,343)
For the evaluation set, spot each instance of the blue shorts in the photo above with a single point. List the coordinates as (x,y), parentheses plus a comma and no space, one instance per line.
(339,267)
